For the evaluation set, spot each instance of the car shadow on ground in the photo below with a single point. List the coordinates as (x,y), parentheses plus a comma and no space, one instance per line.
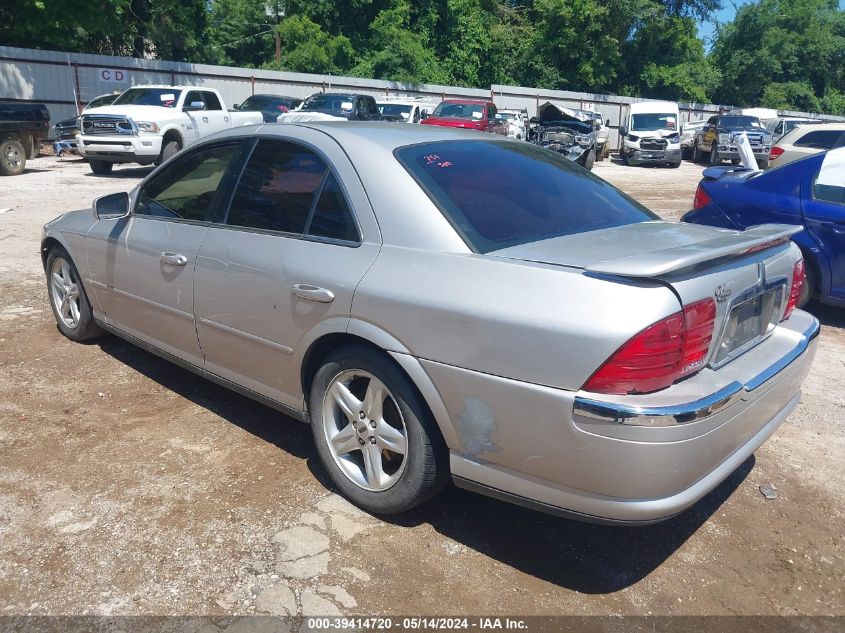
(827,315)
(266,423)
(126,172)
(583,557)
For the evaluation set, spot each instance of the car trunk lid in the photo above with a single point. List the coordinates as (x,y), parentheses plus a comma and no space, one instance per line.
(746,273)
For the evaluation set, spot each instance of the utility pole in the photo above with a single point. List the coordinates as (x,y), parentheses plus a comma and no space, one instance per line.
(278,45)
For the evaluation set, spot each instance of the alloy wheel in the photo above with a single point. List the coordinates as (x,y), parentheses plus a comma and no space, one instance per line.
(365,430)
(13,156)
(64,288)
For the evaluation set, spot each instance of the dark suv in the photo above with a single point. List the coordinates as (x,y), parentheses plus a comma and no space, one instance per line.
(718,140)
(354,107)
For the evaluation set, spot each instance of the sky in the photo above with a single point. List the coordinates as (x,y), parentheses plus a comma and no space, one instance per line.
(707,29)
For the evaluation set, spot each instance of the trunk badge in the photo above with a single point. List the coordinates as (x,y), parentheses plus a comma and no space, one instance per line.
(723,291)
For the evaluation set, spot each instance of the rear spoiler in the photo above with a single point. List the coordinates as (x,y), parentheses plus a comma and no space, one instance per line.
(729,244)
(717,171)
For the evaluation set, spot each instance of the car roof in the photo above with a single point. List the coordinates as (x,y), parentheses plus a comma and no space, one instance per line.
(269,96)
(800,130)
(468,101)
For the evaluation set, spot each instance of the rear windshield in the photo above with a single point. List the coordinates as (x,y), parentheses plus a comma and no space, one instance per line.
(498,194)
(459,110)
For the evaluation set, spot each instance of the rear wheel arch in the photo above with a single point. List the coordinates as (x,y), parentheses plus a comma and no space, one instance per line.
(323,347)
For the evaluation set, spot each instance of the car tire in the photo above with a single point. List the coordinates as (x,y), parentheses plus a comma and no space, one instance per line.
(169,149)
(697,154)
(624,154)
(68,299)
(600,154)
(357,457)
(591,159)
(12,157)
(714,157)
(675,165)
(101,167)
(735,161)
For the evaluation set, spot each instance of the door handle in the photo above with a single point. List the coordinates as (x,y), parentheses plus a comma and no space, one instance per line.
(173,259)
(205,119)
(313,293)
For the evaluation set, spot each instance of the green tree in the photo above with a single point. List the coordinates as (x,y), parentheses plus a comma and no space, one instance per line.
(306,47)
(796,45)
(241,32)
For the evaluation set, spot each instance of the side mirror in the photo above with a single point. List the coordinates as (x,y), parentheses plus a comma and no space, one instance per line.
(237,106)
(424,116)
(193,106)
(534,119)
(623,130)
(115,205)
(607,122)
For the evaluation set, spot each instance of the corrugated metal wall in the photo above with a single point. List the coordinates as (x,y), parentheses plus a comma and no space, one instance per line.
(61,80)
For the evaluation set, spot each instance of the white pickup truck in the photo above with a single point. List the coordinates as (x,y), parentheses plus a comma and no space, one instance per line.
(149,124)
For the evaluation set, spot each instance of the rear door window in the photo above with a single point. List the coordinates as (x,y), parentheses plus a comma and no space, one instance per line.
(819,139)
(211,101)
(277,188)
(332,218)
(480,186)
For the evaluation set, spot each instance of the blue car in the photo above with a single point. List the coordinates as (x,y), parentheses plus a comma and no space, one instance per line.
(808,192)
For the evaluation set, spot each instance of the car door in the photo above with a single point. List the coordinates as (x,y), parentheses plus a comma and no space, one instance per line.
(709,134)
(205,121)
(283,264)
(824,216)
(215,116)
(142,265)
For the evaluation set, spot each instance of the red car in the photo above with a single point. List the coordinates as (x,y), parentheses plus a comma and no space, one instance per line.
(472,114)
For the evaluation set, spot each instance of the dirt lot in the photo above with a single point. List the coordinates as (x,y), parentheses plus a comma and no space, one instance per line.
(130,486)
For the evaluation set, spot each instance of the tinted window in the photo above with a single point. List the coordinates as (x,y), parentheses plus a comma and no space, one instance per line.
(459,110)
(740,121)
(195,96)
(186,188)
(164,97)
(654,121)
(277,188)
(480,186)
(819,139)
(332,217)
(211,101)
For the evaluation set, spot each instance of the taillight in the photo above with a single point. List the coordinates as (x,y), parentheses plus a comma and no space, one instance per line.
(699,318)
(701,198)
(659,355)
(799,278)
(775,152)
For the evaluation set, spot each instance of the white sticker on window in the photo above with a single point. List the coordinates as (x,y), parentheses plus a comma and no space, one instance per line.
(168,97)
(346,105)
(476,115)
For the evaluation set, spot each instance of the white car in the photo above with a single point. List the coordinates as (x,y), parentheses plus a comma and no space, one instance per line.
(781,126)
(688,131)
(806,140)
(517,122)
(406,110)
(149,124)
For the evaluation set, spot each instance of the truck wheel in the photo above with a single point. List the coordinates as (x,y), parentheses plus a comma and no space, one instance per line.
(696,153)
(675,165)
(12,158)
(624,156)
(714,157)
(600,154)
(101,167)
(735,161)
(591,158)
(170,148)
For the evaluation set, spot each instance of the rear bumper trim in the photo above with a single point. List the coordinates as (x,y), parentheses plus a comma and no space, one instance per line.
(598,411)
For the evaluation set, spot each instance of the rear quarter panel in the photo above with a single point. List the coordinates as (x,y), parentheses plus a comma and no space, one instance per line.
(542,324)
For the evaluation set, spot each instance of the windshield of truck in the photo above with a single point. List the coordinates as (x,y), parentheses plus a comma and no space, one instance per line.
(322,102)
(161,97)
(740,121)
(395,110)
(654,121)
(459,110)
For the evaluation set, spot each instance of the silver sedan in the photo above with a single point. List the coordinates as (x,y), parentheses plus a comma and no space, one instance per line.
(443,305)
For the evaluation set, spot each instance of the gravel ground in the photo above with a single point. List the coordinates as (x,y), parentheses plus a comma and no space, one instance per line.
(130,486)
